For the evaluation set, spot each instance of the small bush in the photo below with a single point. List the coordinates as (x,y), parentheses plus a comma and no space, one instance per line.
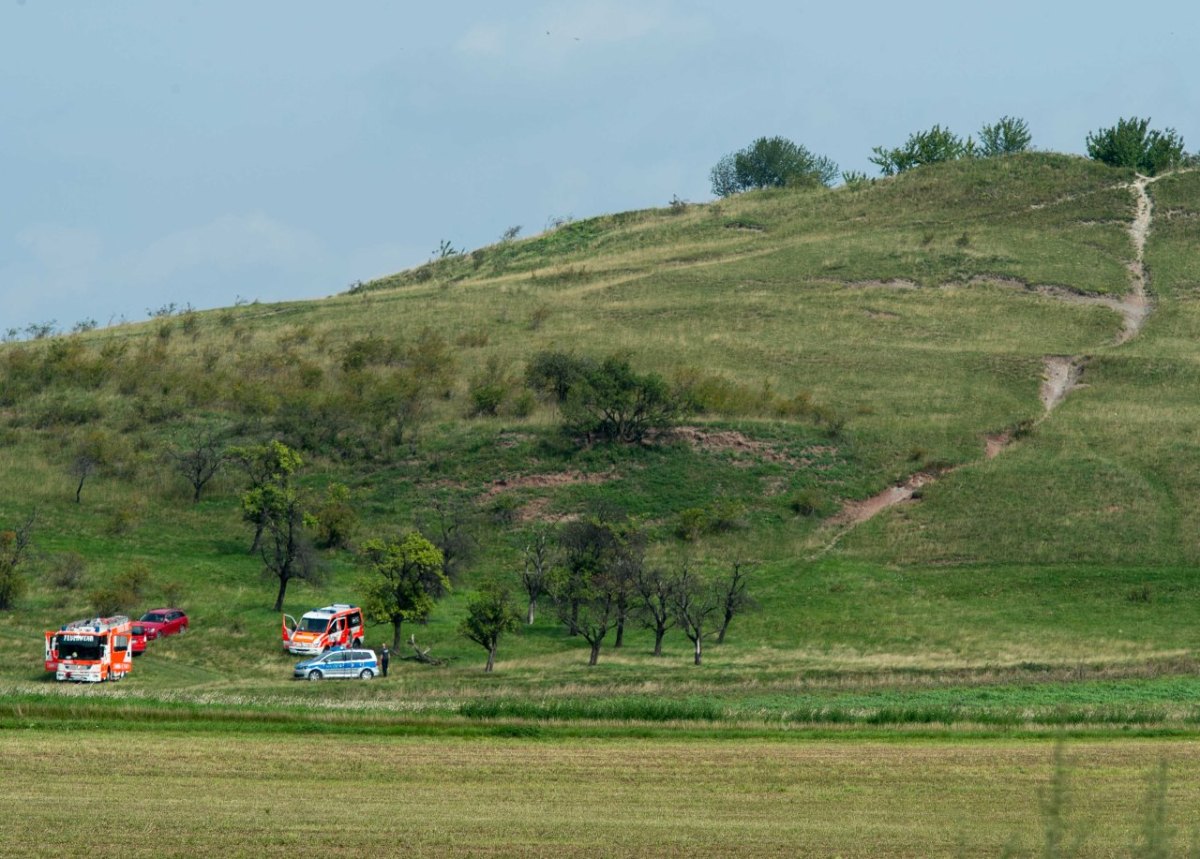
(1131,143)
(124,594)
(811,503)
(67,571)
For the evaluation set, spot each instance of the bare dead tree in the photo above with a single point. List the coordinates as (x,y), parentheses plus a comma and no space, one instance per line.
(655,588)
(14,545)
(698,607)
(199,461)
(734,598)
(538,558)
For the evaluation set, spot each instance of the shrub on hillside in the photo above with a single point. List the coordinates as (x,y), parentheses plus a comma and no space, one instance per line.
(613,402)
(1006,136)
(123,594)
(922,147)
(1131,143)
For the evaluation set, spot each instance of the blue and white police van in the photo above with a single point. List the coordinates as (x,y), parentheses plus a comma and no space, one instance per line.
(363,664)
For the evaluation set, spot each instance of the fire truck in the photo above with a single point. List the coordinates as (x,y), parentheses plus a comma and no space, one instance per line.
(338,625)
(90,650)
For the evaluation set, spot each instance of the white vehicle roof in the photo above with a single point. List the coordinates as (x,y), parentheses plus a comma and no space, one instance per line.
(329,610)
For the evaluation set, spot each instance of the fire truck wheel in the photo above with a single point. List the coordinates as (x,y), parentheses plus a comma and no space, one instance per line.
(366,674)
(314,675)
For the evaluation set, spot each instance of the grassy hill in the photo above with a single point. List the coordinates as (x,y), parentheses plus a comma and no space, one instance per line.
(840,342)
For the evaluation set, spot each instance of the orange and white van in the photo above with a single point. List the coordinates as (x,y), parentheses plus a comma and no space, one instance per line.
(90,650)
(321,629)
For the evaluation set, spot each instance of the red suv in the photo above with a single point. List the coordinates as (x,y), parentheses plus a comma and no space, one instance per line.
(157,623)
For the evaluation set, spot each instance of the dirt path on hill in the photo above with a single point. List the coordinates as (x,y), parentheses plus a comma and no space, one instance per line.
(1062,373)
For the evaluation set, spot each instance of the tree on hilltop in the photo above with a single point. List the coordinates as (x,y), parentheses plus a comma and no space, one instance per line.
(1132,143)
(1006,136)
(922,147)
(771,162)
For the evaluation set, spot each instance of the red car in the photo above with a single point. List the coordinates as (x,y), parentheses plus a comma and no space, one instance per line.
(157,623)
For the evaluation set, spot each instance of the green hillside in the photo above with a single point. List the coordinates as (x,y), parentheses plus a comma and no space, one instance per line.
(835,343)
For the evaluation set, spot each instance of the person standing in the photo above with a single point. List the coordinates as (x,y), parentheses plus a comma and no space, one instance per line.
(383,659)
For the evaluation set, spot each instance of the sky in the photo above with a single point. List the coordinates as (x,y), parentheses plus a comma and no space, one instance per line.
(161,152)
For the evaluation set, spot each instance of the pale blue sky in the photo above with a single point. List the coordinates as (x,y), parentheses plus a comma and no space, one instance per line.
(201,152)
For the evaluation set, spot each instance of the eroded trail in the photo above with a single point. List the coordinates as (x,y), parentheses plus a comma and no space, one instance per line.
(1062,373)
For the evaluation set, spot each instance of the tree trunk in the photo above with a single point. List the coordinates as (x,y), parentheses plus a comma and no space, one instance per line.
(282,590)
(620,634)
(258,532)
(532,611)
(595,653)
(491,659)
(396,634)
(659,632)
(698,640)
(79,488)
(721,632)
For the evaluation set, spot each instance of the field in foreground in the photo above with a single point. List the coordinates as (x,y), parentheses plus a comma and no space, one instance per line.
(253,795)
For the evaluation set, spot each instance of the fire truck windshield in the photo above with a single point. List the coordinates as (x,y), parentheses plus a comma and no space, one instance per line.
(313,624)
(84,647)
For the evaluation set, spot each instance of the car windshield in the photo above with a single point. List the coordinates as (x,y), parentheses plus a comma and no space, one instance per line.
(313,624)
(86,648)
(151,617)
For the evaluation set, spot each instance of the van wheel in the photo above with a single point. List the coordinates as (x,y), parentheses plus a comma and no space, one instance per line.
(314,675)
(366,674)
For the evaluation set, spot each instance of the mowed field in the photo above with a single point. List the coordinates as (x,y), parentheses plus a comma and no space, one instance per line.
(171,794)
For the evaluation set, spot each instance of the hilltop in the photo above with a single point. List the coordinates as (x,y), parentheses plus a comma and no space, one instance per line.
(1008,345)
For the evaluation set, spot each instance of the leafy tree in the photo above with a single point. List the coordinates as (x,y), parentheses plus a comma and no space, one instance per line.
(286,549)
(771,162)
(1131,143)
(1006,136)
(199,460)
(612,402)
(698,607)
(14,545)
(268,465)
(922,147)
(490,614)
(587,589)
(407,575)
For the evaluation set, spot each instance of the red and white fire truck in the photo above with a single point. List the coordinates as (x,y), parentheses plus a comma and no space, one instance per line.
(90,650)
(338,625)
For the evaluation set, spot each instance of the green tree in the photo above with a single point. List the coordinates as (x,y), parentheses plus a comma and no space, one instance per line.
(1006,136)
(922,147)
(1132,143)
(612,402)
(286,547)
(268,465)
(406,574)
(584,589)
(771,162)
(490,613)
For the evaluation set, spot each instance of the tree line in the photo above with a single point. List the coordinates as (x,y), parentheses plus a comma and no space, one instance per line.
(776,162)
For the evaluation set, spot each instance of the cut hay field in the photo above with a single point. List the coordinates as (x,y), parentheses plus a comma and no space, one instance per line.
(173,794)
